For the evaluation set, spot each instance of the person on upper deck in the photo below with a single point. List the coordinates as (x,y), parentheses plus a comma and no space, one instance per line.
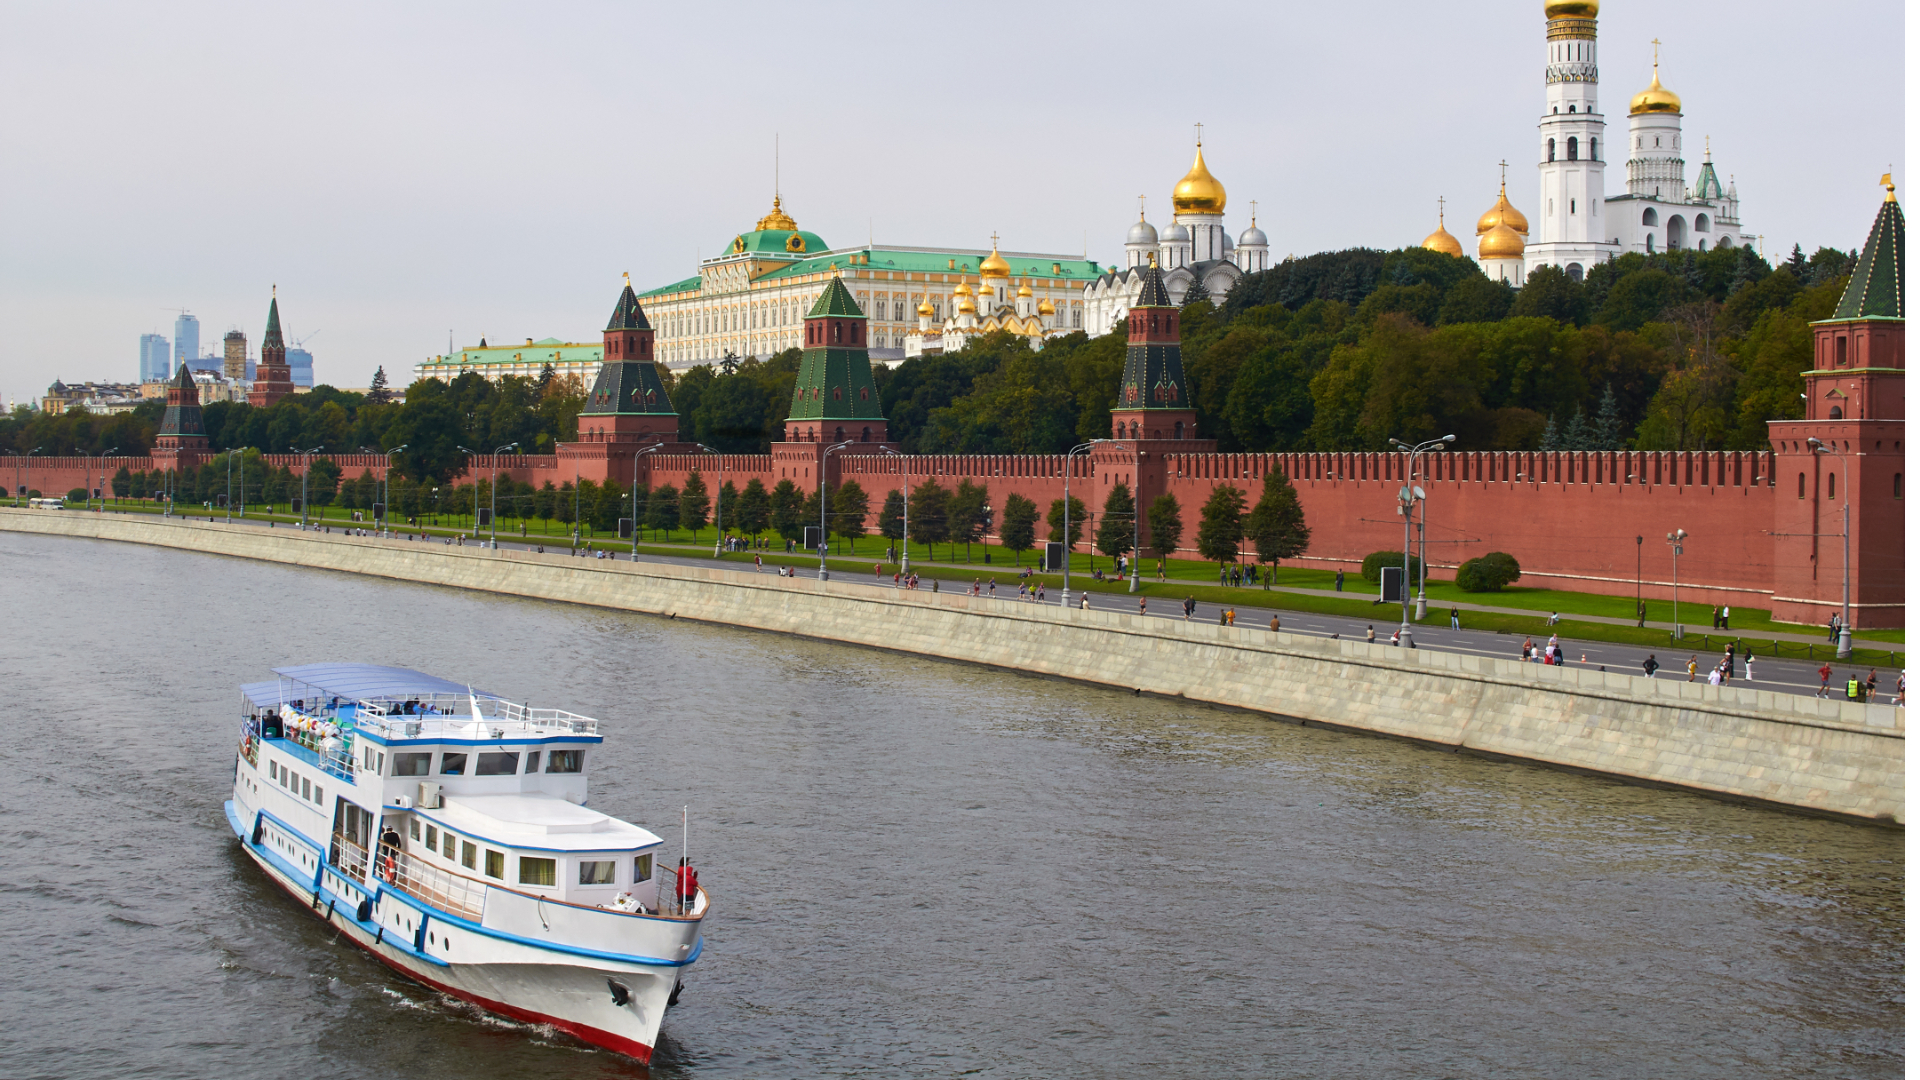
(689,883)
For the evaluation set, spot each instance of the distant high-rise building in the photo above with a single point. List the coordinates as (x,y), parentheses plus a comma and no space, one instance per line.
(156,359)
(186,340)
(236,356)
(300,361)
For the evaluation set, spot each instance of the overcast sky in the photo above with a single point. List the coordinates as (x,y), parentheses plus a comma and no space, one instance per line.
(402,171)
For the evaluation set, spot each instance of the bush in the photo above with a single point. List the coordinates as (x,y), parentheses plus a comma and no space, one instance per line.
(1488,572)
(1370,568)
(77,495)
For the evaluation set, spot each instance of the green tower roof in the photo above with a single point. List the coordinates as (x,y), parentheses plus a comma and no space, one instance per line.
(1877,290)
(629,388)
(836,302)
(273,325)
(627,314)
(184,418)
(1153,289)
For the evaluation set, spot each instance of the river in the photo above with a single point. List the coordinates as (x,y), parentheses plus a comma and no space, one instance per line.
(920,869)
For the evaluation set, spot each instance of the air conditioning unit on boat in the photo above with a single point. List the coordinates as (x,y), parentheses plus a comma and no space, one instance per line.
(404,802)
(429,795)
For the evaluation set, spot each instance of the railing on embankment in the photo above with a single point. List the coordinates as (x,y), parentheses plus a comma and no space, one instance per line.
(1833,757)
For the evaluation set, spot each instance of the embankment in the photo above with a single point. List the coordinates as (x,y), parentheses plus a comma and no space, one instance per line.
(1826,756)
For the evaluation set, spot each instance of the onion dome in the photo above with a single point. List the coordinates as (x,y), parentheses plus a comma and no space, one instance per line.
(1655,98)
(1198,192)
(1502,213)
(925,308)
(1175,233)
(993,265)
(1253,237)
(1046,307)
(1025,290)
(1573,9)
(1441,240)
(776,219)
(1143,232)
(1501,242)
(984,289)
(966,307)
(962,289)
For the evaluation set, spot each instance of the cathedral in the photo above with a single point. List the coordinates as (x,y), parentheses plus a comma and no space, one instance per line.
(1580,224)
(1195,256)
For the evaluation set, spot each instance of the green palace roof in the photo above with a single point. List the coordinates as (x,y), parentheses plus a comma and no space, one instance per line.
(901,260)
(546,350)
(783,241)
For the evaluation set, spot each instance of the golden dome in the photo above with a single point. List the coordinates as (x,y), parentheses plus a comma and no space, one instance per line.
(1046,307)
(962,289)
(993,265)
(925,308)
(1024,290)
(985,289)
(1502,242)
(966,307)
(1502,213)
(776,219)
(1441,240)
(1655,98)
(1198,192)
(1573,9)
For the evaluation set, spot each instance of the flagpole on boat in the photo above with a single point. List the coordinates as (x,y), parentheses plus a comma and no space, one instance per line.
(683,848)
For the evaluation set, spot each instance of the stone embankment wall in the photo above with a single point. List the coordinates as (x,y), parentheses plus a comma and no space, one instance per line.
(1828,756)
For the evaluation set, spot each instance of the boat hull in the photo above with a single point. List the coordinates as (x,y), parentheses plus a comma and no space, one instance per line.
(579,998)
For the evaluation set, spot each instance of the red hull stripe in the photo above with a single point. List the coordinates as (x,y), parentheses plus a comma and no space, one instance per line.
(603,1039)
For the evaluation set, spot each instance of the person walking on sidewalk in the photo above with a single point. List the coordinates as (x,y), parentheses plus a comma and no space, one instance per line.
(1454,617)
(1873,680)
(1369,633)
(1187,608)
(1749,659)
(1826,677)
(1143,605)
(1693,667)
(1650,666)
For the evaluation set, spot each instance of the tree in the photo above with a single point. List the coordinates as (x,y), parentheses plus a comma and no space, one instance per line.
(1066,531)
(753,510)
(609,506)
(663,510)
(893,515)
(1277,524)
(1223,524)
(586,491)
(1164,527)
(726,507)
(785,504)
(1017,519)
(377,392)
(1487,573)
(122,482)
(546,377)
(927,515)
(850,505)
(1550,292)
(966,516)
(1115,535)
(1371,565)
(543,504)
(694,505)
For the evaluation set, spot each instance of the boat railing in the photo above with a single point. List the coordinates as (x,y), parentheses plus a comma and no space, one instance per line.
(306,746)
(573,723)
(433,886)
(511,720)
(349,857)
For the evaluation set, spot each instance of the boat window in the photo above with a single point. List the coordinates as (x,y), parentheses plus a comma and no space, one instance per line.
(497,764)
(532,871)
(496,863)
(306,788)
(467,852)
(449,849)
(564,760)
(273,769)
(412,764)
(320,796)
(433,838)
(413,828)
(642,868)
(533,761)
(593,871)
(453,764)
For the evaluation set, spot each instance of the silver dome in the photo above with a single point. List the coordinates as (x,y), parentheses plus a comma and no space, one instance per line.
(1143,232)
(1253,237)
(1175,233)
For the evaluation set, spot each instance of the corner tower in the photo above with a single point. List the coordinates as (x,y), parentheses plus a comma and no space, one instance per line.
(272,378)
(1153,403)
(182,439)
(834,399)
(628,402)
(1856,408)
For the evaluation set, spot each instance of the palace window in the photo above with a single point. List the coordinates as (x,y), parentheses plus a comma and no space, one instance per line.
(592,871)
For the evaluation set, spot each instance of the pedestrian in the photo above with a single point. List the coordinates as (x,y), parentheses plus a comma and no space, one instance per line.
(1454,617)
(1230,616)
(1086,601)
(1143,605)
(1526,650)
(1902,699)
(1553,618)
(1693,667)
(1726,617)
(1339,581)
(1873,680)
(1394,641)
(1853,687)
(1369,633)
(1713,677)
(1275,624)
(1223,616)
(1187,608)
(1749,663)
(1650,666)
(1826,674)
(992,584)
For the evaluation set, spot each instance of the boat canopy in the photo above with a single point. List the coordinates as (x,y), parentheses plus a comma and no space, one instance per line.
(359,682)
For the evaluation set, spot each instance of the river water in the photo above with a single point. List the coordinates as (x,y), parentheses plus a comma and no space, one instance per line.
(920,869)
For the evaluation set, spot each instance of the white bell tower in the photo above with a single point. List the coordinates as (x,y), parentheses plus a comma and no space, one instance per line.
(1572,222)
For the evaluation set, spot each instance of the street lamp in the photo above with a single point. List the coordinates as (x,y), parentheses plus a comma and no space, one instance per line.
(243,479)
(476,497)
(1066,522)
(1411,493)
(823,503)
(493,496)
(718,497)
(1639,605)
(635,557)
(102,457)
(904,493)
(1673,541)
(386,488)
(1843,647)
(26,460)
(1139,497)
(306,467)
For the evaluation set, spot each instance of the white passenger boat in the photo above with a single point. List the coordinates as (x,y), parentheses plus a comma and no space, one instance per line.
(445,831)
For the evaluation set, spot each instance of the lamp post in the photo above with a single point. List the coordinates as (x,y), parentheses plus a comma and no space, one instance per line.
(386,487)
(306,467)
(1673,540)
(243,479)
(718,496)
(635,557)
(823,503)
(26,460)
(1411,493)
(1639,605)
(1133,586)
(476,496)
(16,492)
(1066,522)
(102,458)
(493,496)
(1843,647)
(904,493)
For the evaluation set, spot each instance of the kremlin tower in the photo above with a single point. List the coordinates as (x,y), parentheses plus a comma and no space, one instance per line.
(272,378)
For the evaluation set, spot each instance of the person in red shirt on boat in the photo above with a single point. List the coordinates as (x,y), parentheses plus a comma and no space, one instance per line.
(689,884)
